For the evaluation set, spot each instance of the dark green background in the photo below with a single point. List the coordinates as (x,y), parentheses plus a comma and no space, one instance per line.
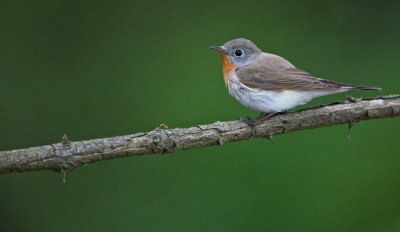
(105,68)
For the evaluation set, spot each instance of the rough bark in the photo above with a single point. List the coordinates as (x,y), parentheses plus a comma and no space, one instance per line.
(66,155)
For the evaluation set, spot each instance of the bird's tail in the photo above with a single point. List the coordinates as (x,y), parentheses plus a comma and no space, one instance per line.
(361,87)
(349,86)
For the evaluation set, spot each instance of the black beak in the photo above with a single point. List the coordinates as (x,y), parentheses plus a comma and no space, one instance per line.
(218,49)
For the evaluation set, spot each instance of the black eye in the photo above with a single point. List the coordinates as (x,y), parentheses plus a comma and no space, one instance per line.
(238,53)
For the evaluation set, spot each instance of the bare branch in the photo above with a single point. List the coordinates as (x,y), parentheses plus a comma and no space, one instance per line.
(68,155)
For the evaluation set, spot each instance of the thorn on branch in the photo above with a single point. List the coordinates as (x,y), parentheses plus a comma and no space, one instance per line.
(270,136)
(349,126)
(221,141)
(63,175)
(353,99)
(64,141)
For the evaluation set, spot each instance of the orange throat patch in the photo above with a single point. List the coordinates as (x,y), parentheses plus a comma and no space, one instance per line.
(227,67)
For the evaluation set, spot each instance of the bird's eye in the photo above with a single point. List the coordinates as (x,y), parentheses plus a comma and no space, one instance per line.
(238,53)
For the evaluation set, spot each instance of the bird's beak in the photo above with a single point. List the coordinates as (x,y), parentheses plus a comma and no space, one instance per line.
(219,49)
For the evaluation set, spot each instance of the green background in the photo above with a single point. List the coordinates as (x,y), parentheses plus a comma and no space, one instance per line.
(106,68)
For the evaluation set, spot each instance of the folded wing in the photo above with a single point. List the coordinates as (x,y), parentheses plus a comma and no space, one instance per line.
(274,73)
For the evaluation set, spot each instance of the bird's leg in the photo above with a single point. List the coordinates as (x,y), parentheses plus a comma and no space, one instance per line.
(253,122)
(267,116)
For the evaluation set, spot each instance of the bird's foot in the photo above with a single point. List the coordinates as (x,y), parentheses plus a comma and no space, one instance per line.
(253,122)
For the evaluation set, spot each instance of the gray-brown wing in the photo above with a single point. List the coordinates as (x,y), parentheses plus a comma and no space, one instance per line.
(267,75)
(289,79)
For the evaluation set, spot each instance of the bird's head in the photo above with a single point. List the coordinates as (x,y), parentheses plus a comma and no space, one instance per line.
(239,51)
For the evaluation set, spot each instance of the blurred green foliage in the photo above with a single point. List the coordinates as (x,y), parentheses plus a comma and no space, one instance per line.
(93,69)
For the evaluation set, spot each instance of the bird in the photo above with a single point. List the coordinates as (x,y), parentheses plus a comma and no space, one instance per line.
(268,83)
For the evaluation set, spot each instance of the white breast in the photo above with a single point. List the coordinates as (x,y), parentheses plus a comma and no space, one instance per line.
(271,101)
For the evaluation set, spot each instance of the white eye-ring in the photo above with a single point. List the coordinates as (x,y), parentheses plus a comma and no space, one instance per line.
(239,52)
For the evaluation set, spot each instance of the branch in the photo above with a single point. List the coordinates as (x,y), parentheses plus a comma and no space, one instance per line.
(68,155)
